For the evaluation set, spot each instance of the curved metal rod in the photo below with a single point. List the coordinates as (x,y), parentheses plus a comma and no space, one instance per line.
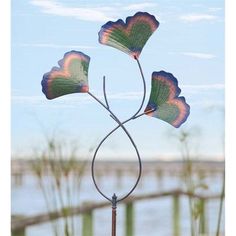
(120,125)
(144,86)
(133,143)
(143,99)
(104,91)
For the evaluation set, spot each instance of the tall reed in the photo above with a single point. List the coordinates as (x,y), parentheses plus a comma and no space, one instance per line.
(59,174)
(192,181)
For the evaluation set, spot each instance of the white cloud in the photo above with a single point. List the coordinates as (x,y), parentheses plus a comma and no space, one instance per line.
(140,6)
(125,96)
(204,96)
(41,101)
(88,13)
(204,86)
(209,104)
(72,100)
(215,9)
(82,99)
(198,17)
(199,55)
(82,13)
(50,45)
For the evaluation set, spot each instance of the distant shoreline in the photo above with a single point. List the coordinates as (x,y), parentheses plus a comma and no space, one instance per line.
(24,166)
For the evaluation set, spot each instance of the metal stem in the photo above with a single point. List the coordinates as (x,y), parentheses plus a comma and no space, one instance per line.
(114,203)
(132,142)
(144,86)
(114,200)
(104,91)
(135,115)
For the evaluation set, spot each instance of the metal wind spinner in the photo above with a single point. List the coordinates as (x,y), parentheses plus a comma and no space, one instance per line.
(164,102)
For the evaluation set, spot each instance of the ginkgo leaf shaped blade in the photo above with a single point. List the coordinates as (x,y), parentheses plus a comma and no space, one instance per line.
(130,36)
(70,77)
(165,101)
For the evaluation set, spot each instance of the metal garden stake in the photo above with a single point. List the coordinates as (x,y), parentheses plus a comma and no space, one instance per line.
(164,102)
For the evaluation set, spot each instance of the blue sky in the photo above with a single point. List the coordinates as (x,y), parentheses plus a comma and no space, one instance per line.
(188,43)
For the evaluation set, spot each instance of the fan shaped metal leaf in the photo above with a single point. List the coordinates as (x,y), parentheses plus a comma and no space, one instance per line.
(129,37)
(70,77)
(164,100)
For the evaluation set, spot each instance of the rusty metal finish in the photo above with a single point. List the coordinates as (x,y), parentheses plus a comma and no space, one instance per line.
(114,200)
(113,219)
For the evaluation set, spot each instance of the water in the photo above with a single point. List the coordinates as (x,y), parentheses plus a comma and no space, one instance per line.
(152,217)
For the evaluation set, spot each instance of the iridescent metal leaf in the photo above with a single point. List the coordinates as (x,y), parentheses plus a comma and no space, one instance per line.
(165,101)
(70,77)
(131,36)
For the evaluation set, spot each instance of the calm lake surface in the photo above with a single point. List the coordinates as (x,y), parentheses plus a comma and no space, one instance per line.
(152,217)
